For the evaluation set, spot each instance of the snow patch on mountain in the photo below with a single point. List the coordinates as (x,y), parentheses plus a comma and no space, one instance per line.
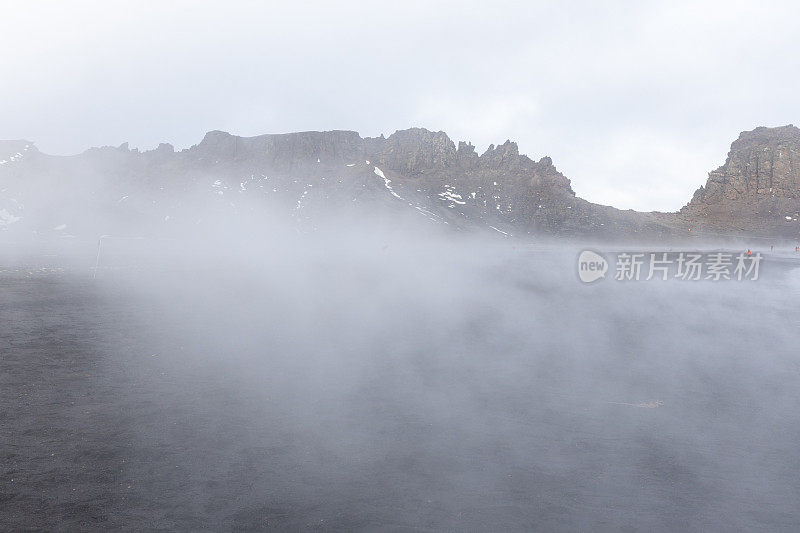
(386,182)
(449,195)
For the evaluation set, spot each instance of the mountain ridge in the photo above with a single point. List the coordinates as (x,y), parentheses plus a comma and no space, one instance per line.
(449,183)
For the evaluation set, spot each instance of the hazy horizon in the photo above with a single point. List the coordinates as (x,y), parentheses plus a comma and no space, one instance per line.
(628,99)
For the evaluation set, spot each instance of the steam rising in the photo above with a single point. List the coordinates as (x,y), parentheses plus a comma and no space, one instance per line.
(379,378)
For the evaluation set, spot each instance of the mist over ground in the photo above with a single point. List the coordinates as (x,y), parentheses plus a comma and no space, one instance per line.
(380,378)
(313,266)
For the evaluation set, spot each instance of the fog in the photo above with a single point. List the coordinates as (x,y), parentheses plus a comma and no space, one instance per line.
(380,377)
(264,334)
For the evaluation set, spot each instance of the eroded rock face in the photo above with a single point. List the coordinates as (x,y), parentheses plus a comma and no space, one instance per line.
(763,163)
(757,190)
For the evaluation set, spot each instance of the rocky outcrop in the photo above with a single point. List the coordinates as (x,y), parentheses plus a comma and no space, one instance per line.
(413,151)
(763,163)
(757,190)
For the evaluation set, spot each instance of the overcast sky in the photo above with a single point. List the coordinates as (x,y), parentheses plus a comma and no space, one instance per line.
(635,102)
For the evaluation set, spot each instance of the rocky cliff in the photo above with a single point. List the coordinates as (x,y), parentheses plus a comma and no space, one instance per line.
(412,174)
(757,190)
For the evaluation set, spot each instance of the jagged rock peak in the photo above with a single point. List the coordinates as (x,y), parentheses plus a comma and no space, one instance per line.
(506,149)
(414,150)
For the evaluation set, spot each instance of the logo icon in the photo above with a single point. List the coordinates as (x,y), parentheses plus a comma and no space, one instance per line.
(591,266)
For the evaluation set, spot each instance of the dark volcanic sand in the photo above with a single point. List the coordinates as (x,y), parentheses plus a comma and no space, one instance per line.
(481,408)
